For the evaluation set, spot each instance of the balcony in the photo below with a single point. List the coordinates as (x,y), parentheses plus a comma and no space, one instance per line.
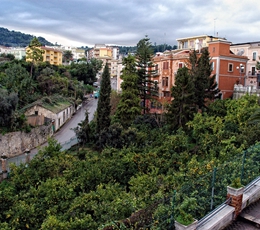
(253,73)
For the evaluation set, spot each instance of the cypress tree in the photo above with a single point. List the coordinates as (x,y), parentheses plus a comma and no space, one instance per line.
(129,105)
(104,107)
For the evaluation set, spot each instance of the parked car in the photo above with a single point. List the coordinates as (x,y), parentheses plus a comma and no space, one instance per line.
(96,94)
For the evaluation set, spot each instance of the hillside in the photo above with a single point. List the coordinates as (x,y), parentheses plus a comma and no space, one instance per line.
(13,38)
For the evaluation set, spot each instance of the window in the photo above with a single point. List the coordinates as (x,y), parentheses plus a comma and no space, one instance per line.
(36,112)
(213,50)
(165,81)
(156,69)
(192,43)
(253,71)
(181,65)
(254,56)
(230,67)
(166,94)
(165,65)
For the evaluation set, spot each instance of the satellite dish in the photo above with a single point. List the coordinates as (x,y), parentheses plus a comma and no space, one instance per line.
(240,52)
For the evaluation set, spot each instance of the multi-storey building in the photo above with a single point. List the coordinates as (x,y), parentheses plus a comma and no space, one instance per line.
(196,42)
(18,53)
(4,50)
(51,55)
(229,68)
(252,51)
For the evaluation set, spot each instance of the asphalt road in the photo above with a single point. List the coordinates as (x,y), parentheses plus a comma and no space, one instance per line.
(65,134)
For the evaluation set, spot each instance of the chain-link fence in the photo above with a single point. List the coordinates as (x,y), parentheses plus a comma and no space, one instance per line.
(199,195)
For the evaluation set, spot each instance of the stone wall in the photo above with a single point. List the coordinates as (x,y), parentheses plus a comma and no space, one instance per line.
(15,143)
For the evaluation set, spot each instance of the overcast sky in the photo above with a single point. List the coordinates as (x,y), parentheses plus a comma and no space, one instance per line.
(125,22)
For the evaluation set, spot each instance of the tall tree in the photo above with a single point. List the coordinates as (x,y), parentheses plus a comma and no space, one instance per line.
(205,86)
(104,107)
(83,130)
(34,52)
(67,56)
(8,105)
(129,105)
(182,108)
(83,72)
(96,65)
(147,87)
(18,80)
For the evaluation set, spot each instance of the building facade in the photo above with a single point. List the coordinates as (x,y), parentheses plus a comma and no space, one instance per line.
(252,51)
(196,42)
(57,115)
(230,68)
(51,55)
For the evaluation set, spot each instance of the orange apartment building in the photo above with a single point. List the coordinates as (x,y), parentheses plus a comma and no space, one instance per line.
(166,67)
(229,68)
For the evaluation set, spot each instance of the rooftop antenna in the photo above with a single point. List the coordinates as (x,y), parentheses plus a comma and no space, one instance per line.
(215,25)
(164,42)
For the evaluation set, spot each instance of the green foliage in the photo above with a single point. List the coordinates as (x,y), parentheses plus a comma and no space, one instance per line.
(131,181)
(34,53)
(115,136)
(83,130)
(257,66)
(129,105)
(205,86)
(67,56)
(17,39)
(236,183)
(147,87)
(8,105)
(83,72)
(181,109)
(185,208)
(18,80)
(104,107)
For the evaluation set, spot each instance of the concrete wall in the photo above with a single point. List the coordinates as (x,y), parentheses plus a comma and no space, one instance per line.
(15,143)
(224,215)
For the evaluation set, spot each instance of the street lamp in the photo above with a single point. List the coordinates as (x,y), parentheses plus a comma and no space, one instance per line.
(241,68)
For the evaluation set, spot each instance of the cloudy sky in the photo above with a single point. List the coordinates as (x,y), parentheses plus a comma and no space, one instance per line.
(125,22)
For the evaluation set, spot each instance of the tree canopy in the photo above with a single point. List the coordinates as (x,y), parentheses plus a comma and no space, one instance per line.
(104,107)
(147,87)
(129,105)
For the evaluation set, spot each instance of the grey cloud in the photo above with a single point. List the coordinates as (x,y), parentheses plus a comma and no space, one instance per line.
(125,22)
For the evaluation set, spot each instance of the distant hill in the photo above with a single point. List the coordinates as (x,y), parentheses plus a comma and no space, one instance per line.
(13,39)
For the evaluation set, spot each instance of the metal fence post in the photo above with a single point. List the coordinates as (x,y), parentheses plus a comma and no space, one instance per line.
(242,169)
(4,166)
(172,216)
(212,188)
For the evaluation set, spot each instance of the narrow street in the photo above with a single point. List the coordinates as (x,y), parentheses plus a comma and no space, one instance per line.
(65,134)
